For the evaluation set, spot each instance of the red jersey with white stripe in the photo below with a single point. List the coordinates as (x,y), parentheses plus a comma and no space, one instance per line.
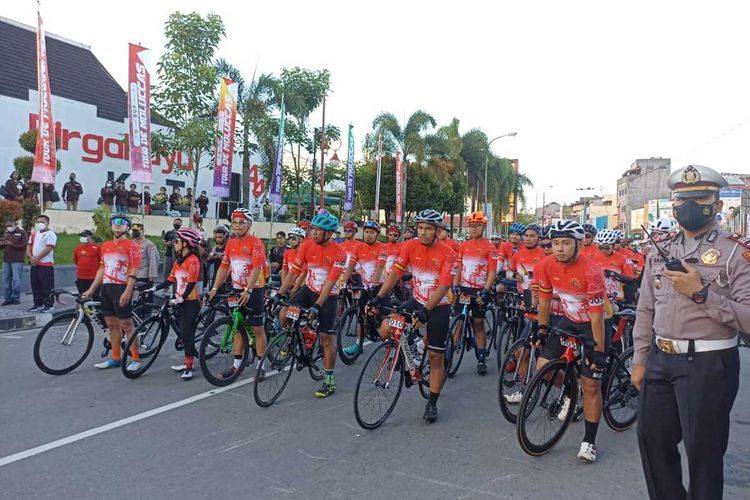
(324,263)
(120,259)
(243,256)
(431,266)
(289,257)
(184,273)
(579,285)
(391,251)
(619,264)
(635,260)
(367,259)
(477,257)
(349,246)
(523,263)
(452,244)
(505,253)
(555,306)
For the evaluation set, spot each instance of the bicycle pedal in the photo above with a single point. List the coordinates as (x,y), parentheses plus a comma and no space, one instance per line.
(300,366)
(104,353)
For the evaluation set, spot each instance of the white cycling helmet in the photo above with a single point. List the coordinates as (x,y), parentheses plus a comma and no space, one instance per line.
(605,237)
(664,224)
(298,231)
(566,229)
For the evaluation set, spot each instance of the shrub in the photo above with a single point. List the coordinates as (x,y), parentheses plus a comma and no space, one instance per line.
(10,209)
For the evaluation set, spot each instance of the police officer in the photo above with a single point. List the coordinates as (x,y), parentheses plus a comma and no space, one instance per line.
(686,363)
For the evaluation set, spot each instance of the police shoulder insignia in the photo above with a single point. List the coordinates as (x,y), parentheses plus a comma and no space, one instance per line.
(746,255)
(742,240)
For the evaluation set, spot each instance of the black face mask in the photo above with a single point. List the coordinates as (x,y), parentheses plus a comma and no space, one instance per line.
(136,233)
(693,216)
(177,226)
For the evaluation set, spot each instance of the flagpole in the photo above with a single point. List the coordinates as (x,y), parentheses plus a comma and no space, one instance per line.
(377,180)
(322,157)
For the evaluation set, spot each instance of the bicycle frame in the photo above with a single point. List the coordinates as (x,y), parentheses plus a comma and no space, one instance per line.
(238,321)
(398,323)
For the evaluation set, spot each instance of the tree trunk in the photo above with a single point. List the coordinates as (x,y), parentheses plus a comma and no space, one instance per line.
(196,169)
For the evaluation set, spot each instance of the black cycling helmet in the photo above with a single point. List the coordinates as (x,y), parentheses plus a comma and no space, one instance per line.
(590,229)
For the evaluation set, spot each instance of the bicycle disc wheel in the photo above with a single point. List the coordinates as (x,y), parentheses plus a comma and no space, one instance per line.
(149,337)
(348,335)
(620,407)
(60,349)
(277,363)
(456,328)
(217,360)
(512,381)
(379,386)
(544,414)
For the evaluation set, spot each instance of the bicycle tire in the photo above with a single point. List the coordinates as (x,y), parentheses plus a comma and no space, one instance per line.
(209,349)
(386,351)
(508,381)
(458,351)
(344,333)
(531,398)
(77,359)
(620,393)
(277,362)
(315,356)
(489,329)
(153,352)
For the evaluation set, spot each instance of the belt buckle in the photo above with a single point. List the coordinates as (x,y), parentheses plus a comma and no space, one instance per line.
(666,346)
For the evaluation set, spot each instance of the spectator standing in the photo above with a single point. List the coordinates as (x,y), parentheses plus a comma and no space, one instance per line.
(189,195)
(174,199)
(276,255)
(14,187)
(86,257)
(146,200)
(121,198)
(169,238)
(71,193)
(108,195)
(13,244)
(41,253)
(148,271)
(49,193)
(134,200)
(202,202)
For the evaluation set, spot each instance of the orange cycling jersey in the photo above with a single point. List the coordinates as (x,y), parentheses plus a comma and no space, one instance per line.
(452,244)
(391,251)
(505,253)
(349,247)
(289,257)
(243,256)
(636,259)
(120,259)
(590,251)
(431,267)
(476,257)
(523,263)
(367,259)
(324,263)
(184,273)
(579,285)
(617,263)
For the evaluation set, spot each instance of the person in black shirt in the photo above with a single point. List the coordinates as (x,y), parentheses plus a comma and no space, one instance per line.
(277,253)
(71,193)
(174,198)
(213,261)
(121,198)
(169,238)
(202,202)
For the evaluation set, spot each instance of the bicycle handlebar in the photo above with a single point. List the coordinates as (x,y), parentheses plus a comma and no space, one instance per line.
(619,277)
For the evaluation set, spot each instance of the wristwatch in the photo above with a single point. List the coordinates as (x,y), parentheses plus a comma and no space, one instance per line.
(700,297)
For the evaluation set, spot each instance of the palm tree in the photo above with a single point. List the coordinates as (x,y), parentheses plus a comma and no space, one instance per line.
(409,139)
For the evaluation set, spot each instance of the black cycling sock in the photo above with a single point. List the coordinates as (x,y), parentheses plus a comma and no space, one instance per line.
(589,435)
(433,398)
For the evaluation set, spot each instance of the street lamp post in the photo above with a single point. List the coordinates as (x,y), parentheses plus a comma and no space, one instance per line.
(486,159)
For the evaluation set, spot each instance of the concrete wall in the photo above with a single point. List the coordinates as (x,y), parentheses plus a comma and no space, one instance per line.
(645,180)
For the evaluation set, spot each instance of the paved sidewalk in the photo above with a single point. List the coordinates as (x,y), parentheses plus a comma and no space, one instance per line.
(18,317)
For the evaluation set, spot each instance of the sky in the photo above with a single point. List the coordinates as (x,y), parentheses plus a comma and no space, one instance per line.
(588,85)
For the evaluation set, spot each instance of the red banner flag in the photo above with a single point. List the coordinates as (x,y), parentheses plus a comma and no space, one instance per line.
(44,156)
(399,188)
(139,114)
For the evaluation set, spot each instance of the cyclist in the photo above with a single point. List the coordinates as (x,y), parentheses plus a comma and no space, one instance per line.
(350,244)
(245,260)
(444,232)
(510,247)
(392,247)
(433,267)
(121,258)
(184,276)
(579,282)
(496,240)
(475,276)
(370,258)
(305,225)
(608,259)
(325,261)
(589,249)
(662,226)
(523,261)
(545,243)
(295,238)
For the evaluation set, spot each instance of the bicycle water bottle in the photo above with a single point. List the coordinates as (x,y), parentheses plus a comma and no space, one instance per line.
(309,336)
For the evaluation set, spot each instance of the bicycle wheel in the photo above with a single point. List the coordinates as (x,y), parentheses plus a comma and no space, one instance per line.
(512,381)
(379,386)
(142,312)
(277,363)
(316,359)
(61,345)
(457,328)
(620,407)
(489,329)
(348,335)
(217,359)
(508,335)
(544,414)
(149,337)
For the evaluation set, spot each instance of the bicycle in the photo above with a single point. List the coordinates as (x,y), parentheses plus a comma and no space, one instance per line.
(513,323)
(355,326)
(552,395)
(393,357)
(297,344)
(462,327)
(513,380)
(69,335)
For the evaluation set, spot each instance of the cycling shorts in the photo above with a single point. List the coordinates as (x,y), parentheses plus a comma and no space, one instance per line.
(437,324)
(553,349)
(327,316)
(254,307)
(110,302)
(477,311)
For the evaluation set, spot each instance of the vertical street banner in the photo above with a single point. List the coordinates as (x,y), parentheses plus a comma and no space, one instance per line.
(274,193)
(349,198)
(377,177)
(139,114)
(45,163)
(399,188)
(224,149)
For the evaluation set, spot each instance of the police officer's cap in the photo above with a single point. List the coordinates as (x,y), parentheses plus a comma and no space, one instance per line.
(695,181)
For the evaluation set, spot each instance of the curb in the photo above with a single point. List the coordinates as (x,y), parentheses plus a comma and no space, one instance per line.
(24,322)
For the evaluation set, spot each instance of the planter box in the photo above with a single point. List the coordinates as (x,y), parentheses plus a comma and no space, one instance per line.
(159,206)
(183,209)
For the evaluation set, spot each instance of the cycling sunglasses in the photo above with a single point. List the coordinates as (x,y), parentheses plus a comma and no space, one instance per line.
(120,221)
(605,247)
(545,245)
(293,238)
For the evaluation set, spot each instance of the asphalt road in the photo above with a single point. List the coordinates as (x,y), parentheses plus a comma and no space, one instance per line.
(186,440)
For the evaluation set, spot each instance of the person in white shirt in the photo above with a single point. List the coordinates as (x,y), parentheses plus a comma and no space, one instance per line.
(41,253)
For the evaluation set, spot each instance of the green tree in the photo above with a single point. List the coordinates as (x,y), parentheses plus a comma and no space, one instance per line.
(186,93)
(409,138)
